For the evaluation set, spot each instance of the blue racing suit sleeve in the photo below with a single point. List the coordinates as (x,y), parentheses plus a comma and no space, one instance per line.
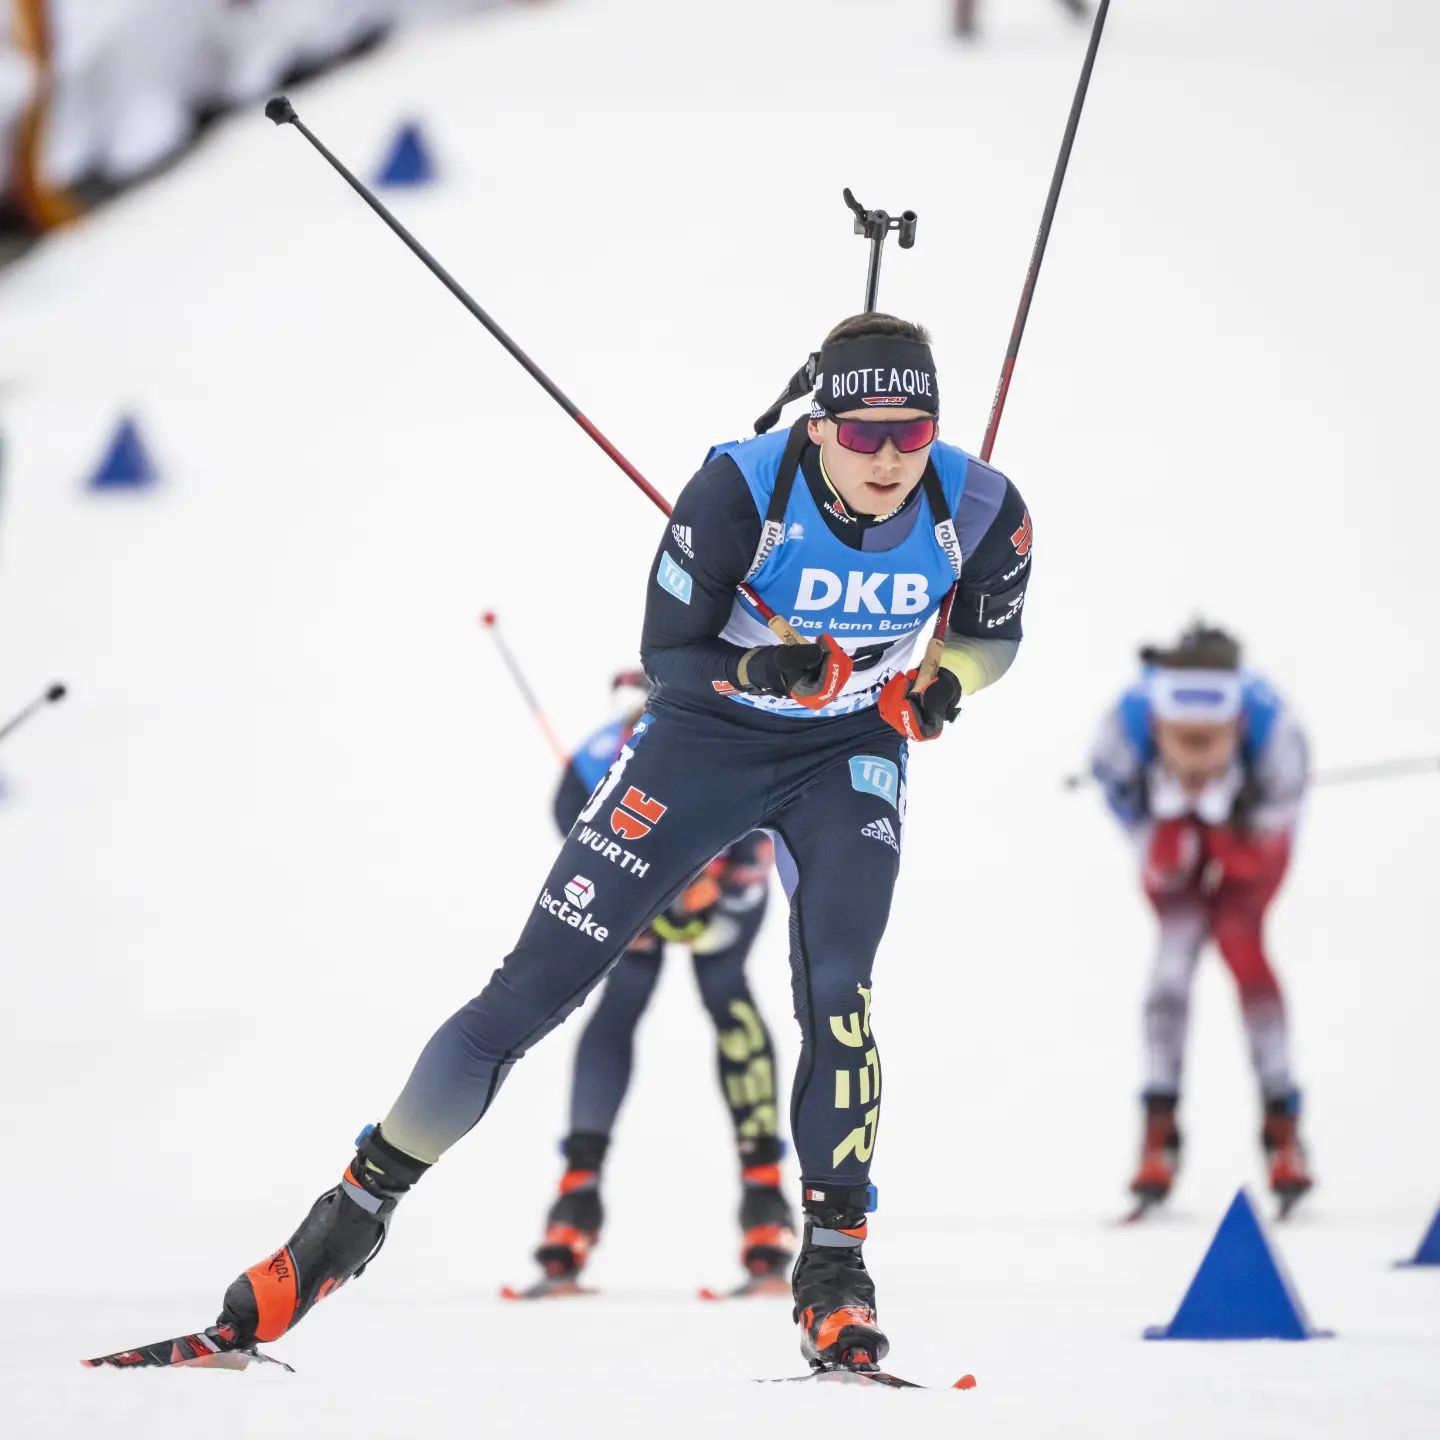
(1119,771)
(706,551)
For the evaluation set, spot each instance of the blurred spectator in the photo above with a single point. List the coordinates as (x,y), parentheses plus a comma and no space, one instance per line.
(966,23)
(97,93)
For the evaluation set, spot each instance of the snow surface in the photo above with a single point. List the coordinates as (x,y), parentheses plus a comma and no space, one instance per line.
(293,814)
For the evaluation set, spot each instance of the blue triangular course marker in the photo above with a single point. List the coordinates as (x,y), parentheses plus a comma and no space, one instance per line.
(1240,1291)
(126,464)
(1429,1251)
(408,161)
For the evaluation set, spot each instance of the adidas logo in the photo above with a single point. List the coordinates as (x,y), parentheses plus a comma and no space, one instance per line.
(882,829)
(681,536)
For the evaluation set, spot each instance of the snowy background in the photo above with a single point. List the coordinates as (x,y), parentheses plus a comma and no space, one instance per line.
(293,813)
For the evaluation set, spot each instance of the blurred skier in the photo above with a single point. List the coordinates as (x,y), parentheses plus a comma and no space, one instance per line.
(717,917)
(855,525)
(1206,768)
(966,24)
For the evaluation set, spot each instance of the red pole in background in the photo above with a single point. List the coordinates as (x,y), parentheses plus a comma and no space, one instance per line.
(492,625)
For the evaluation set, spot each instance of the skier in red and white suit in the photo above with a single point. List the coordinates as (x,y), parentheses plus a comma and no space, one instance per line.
(1207,770)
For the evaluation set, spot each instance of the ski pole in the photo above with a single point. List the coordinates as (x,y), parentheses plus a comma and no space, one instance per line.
(492,625)
(282,112)
(1379,770)
(933,650)
(54,693)
(1338,775)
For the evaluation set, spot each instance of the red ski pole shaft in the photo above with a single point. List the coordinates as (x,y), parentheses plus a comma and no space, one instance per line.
(492,625)
(936,645)
(282,112)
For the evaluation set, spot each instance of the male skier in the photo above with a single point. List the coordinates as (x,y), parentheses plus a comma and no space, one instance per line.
(852,527)
(1206,768)
(716,917)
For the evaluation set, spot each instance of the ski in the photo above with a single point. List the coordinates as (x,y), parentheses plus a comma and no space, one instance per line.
(1286,1205)
(749,1288)
(547,1289)
(861,1375)
(1143,1205)
(217,1348)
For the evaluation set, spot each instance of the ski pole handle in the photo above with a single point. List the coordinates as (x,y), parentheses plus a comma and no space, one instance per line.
(53,694)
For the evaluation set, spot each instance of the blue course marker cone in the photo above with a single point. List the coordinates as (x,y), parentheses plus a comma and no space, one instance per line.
(408,160)
(126,464)
(1429,1251)
(1240,1291)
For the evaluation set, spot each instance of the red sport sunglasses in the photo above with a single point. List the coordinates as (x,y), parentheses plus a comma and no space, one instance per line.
(867,437)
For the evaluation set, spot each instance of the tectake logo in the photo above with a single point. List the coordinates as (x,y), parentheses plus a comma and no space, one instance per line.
(824,589)
(574,914)
(884,831)
(680,534)
(1009,615)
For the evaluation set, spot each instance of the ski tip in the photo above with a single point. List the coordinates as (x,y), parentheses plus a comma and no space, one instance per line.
(965,1382)
(706,1293)
(509,1292)
(1144,1205)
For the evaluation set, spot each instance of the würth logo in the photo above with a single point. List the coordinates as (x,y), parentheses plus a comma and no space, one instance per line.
(1024,537)
(636,815)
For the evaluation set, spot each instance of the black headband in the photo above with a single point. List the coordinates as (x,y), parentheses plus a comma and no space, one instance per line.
(877,372)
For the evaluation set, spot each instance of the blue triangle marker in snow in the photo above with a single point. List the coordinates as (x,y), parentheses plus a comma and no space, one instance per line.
(408,161)
(1240,1291)
(1429,1251)
(126,464)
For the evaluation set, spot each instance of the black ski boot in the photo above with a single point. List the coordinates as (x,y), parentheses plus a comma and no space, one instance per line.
(767,1223)
(339,1237)
(1159,1150)
(834,1295)
(1290,1176)
(572,1226)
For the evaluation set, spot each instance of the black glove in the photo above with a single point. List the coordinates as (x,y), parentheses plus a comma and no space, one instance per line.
(916,714)
(810,673)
